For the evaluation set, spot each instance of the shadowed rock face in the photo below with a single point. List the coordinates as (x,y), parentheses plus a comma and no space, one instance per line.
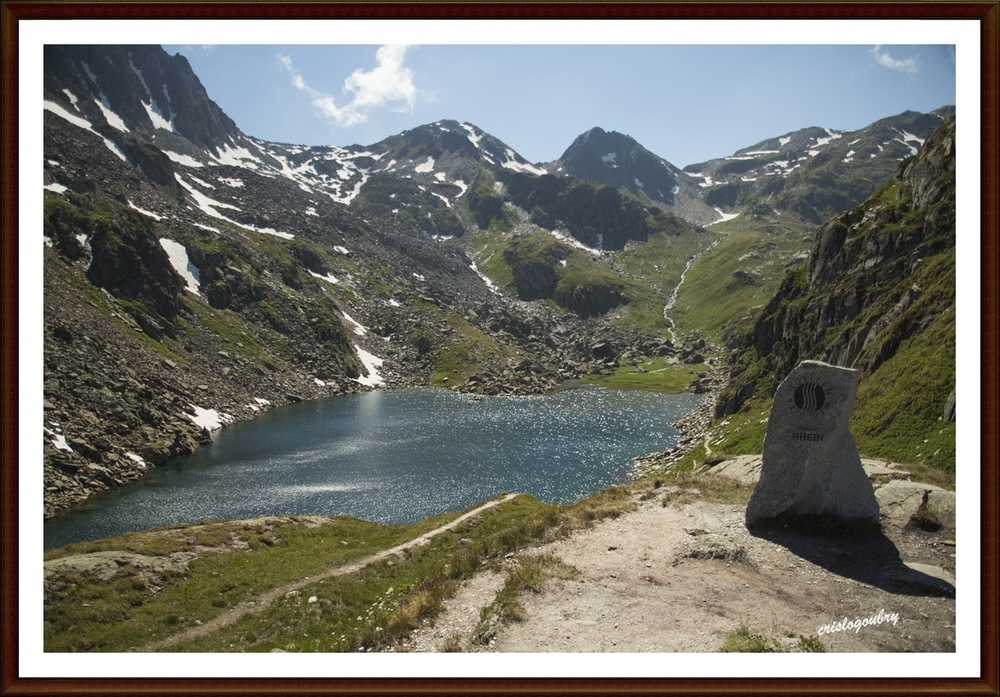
(855,303)
(811,467)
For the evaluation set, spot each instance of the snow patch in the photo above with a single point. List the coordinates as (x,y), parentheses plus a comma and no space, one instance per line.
(72,97)
(784,140)
(58,110)
(462,185)
(440,176)
(156,116)
(136,459)
(609,158)
(319,382)
(446,201)
(178,256)
(236,157)
(261,400)
(58,440)
(185,160)
(359,328)
(329,278)
(523,167)
(207,227)
(113,119)
(372,363)
(473,138)
(206,204)
(425,167)
(342,250)
(268,231)
(200,183)
(54,187)
(486,279)
(573,242)
(208,419)
(675,189)
(724,218)
(150,214)
(232,182)
(638,183)
(393,303)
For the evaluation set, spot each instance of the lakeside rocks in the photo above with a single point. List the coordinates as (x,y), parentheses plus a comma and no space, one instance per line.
(811,468)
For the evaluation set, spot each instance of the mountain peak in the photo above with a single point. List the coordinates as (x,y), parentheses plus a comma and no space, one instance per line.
(137,89)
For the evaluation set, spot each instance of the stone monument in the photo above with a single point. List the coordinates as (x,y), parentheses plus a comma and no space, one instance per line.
(811,470)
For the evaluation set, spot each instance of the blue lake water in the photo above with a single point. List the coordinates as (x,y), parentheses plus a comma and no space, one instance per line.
(392,456)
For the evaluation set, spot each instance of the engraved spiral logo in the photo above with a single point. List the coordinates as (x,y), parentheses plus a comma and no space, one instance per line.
(809,397)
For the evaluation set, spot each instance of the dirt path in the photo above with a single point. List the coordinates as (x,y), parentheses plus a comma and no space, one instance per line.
(684,577)
(262,601)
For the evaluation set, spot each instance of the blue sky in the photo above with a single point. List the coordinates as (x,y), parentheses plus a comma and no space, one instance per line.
(685,103)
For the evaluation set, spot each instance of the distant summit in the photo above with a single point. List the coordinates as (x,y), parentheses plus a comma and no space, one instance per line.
(815,172)
(618,161)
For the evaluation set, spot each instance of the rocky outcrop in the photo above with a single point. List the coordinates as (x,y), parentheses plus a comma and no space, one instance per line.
(596,215)
(591,300)
(534,279)
(857,299)
(129,77)
(924,505)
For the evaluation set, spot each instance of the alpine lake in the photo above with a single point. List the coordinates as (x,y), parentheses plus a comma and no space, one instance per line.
(392,456)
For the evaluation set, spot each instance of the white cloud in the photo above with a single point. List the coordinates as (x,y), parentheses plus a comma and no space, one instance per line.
(910,65)
(388,85)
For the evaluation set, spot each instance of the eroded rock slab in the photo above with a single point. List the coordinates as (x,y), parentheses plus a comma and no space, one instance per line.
(925,504)
(811,468)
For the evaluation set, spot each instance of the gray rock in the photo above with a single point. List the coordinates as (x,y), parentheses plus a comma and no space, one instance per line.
(744,469)
(882,468)
(811,468)
(904,502)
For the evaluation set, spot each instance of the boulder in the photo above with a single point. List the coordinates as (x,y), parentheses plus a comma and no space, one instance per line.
(903,502)
(811,471)
(744,469)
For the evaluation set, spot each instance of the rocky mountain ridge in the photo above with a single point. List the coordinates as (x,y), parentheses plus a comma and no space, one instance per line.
(618,161)
(189,286)
(195,276)
(816,172)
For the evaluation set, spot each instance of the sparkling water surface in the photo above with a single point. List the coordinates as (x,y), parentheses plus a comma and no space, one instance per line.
(392,456)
